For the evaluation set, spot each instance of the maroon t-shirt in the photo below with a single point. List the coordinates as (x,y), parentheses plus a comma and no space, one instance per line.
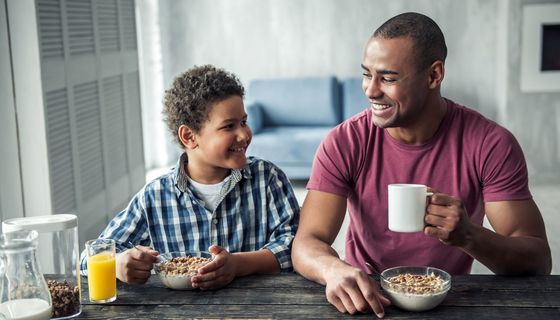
(469,157)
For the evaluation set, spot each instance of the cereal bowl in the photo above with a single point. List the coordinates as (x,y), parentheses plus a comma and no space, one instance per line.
(175,269)
(415,288)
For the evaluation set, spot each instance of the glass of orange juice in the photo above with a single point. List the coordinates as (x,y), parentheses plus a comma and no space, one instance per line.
(102,271)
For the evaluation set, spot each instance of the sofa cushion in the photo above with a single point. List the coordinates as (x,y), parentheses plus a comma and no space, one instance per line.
(354,100)
(288,145)
(312,101)
(254,116)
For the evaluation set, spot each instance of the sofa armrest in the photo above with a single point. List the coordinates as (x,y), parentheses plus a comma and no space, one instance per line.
(254,116)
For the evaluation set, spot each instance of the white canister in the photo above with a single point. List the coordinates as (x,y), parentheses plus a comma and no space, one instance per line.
(59,254)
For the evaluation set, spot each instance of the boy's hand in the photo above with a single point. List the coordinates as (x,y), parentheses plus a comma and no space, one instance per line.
(134,265)
(219,272)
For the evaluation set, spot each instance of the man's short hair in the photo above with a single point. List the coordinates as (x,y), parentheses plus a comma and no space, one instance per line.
(189,100)
(428,40)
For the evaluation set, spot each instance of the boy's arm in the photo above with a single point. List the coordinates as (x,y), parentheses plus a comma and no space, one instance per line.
(129,226)
(283,218)
(260,261)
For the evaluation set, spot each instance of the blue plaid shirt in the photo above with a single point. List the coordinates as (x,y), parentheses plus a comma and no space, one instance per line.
(257,209)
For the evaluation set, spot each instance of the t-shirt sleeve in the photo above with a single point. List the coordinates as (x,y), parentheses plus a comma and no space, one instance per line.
(332,171)
(503,168)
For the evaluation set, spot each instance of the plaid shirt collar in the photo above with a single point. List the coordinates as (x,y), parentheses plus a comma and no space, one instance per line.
(180,177)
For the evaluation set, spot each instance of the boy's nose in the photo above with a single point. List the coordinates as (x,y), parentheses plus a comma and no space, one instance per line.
(244,133)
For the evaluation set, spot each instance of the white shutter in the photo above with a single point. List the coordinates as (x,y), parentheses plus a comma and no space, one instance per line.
(108,25)
(90,157)
(59,141)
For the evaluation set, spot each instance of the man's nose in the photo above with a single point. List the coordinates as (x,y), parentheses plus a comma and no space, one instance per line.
(372,90)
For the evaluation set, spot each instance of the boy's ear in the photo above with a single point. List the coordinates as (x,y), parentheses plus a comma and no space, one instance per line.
(187,137)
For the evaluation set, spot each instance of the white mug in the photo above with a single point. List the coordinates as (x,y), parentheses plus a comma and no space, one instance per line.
(407,207)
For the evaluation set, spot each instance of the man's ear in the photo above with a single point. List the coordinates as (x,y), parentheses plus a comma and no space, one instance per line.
(187,137)
(437,72)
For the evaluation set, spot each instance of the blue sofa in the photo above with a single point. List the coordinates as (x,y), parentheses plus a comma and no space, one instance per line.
(290,117)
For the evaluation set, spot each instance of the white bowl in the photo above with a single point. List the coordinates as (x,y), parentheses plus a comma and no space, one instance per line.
(175,269)
(416,294)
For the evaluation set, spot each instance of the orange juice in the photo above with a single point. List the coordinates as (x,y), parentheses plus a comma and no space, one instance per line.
(102,277)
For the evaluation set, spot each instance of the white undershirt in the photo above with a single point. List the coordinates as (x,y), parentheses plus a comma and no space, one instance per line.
(208,193)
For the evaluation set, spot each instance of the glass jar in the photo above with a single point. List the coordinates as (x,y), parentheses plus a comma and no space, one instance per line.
(58,254)
(23,290)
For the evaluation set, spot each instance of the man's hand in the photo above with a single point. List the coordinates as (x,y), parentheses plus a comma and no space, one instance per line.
(134,265)
(351,290)
(219,272)
(447,220)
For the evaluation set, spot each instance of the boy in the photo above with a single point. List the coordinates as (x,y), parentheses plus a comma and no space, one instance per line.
(243,210)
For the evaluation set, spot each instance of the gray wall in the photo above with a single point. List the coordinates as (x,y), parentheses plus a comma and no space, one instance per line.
(534,118)
(267,38)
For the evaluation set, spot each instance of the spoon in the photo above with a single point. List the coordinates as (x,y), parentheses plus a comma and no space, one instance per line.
(373,269)
(132,245)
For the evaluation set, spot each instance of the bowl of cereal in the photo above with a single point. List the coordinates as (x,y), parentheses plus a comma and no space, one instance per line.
(415,288)
(175,269)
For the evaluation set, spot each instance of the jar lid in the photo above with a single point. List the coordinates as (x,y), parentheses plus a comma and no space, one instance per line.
(48,223)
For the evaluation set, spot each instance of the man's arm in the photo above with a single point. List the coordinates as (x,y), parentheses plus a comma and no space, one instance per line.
(321,217)
(518,246)
(347,288)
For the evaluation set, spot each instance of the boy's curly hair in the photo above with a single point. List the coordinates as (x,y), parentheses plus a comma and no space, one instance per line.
(189,100)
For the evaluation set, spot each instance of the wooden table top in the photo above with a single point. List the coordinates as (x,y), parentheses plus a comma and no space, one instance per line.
(290,296)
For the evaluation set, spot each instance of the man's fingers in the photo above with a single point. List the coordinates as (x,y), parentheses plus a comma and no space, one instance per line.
(346,302)
(336,302)
(384,300)
(371,295)
(436,232)
(444,200)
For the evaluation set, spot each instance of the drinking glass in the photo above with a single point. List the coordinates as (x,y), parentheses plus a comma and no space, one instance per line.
(102,272)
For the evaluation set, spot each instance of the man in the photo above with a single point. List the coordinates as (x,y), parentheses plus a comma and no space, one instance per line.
(411,134)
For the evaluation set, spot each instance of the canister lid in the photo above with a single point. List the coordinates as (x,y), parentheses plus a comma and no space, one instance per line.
(49,223)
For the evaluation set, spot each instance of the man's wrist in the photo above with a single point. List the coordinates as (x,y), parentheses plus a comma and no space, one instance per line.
(330,269)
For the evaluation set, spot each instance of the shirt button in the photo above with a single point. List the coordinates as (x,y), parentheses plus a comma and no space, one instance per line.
(215,221)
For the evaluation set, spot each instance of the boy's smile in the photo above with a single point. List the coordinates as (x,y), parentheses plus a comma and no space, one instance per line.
(221,143)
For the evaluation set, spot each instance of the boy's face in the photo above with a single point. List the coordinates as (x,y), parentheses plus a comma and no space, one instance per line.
(222,142)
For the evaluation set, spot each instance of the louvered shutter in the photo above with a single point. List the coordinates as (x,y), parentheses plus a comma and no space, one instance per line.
(92,159)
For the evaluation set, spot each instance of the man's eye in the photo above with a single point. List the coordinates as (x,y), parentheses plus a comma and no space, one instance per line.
(388,79)
(366,75)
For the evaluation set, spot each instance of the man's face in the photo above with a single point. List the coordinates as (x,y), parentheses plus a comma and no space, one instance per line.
(394,85)
(224,138)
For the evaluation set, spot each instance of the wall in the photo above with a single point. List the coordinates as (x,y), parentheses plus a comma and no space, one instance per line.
(267,38)
(534,118)
(11,202)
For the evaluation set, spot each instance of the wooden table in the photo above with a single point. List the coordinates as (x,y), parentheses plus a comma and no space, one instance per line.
(289,296)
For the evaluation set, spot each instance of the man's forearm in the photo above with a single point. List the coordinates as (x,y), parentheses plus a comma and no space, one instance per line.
(509,255)
(312,258)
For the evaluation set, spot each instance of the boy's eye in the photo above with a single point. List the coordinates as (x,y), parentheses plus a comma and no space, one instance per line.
(244,123)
